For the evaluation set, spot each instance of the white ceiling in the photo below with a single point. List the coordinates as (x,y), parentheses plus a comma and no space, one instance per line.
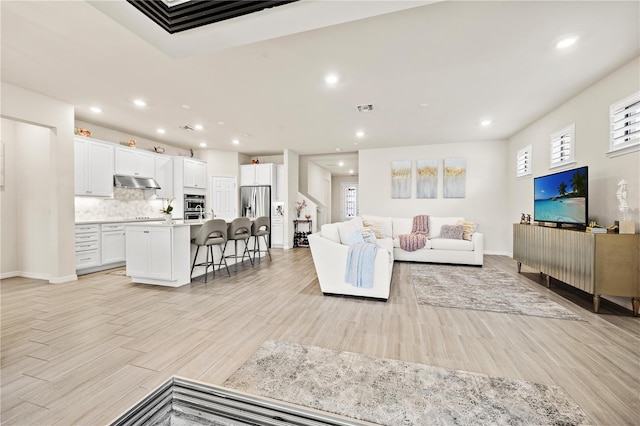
(467,60)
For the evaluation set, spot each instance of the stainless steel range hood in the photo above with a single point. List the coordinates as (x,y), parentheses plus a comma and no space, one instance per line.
(135,182)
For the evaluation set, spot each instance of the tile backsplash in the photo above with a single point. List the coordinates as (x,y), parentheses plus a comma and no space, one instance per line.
(127,203)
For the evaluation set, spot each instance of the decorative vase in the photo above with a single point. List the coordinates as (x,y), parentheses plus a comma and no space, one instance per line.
(168,218)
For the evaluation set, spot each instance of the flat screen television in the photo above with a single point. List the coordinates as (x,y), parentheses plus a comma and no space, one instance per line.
(562,198)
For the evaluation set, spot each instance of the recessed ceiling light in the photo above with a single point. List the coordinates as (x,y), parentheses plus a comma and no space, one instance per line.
(331,79)
(161,131)
(140,103)
(360,134)
(341,163)
(566,42)
(351,171)
(235,141)
(423,105)
(485,123)
(221,123)
(198,127)
(202,144)
(185,106)
(95,109)
(337,149)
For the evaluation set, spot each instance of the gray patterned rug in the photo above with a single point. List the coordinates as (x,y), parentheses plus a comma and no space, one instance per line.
(391,392)
(482,289)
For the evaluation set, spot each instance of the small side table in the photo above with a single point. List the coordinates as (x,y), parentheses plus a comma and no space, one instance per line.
(300,237)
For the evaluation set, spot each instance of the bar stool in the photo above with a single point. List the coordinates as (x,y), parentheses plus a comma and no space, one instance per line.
(261,227)
(239,229)
(212,233)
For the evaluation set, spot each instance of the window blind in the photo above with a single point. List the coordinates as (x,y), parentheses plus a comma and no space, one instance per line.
(625,123)
(523,162)
(562,147)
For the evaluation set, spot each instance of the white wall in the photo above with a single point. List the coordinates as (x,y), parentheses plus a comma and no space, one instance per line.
(8,203)
(317,178)
(57,190)
(486,197)
(589,111)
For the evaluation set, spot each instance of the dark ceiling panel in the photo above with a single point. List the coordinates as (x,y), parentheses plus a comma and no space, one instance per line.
(196,13)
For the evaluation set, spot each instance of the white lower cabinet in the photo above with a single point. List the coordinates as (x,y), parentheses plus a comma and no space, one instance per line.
(158,254)
(112,243)
(277,232)
(87,246)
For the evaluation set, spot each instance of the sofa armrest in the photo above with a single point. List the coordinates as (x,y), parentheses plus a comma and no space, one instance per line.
(330,261)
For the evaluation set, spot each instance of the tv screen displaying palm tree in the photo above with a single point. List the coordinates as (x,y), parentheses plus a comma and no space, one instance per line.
(562,197)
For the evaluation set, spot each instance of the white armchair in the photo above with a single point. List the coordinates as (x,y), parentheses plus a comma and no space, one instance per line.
(330,260)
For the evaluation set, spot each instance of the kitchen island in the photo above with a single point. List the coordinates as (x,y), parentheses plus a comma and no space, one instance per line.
(162,254)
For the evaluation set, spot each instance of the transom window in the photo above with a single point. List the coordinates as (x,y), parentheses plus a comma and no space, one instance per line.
(563,147)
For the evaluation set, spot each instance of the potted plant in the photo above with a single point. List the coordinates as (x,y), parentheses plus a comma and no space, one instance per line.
(167,210)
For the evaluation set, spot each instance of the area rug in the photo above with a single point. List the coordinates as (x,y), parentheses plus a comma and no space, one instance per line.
(391,392)
(482,289)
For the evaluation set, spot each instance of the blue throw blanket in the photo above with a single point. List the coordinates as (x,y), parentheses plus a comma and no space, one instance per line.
(360,264)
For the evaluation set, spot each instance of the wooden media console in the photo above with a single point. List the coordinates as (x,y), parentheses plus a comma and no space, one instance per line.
(599,264)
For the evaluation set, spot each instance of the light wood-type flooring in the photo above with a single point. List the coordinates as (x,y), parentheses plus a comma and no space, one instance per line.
(84,352)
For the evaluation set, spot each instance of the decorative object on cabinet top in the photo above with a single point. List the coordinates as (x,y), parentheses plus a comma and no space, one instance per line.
(158,149)
(83,132)
(131,143)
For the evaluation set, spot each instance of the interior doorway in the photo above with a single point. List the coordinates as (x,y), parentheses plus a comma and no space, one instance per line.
(224,197)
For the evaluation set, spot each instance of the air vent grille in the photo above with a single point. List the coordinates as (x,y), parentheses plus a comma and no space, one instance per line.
(365,108)
(187,127)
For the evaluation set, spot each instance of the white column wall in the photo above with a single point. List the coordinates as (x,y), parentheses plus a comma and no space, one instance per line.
(23,105)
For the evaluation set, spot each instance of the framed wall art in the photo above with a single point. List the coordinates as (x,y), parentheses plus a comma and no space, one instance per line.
(455,175)
(401,179)
(427,179)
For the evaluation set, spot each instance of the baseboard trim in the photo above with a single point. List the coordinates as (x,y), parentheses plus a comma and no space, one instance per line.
(11,274)
(65,279)
(498,253)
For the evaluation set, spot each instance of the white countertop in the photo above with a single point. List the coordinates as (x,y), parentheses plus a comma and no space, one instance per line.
(97,222)
(176,222)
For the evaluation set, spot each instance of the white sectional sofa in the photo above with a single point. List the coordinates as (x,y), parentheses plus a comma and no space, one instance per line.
(329,249)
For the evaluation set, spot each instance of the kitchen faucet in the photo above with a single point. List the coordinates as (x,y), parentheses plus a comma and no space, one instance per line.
(199,207)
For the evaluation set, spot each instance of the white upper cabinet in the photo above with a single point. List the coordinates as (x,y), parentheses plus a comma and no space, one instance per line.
(195,174)
(93,168)
(257,174)
(164,176)
(132,162)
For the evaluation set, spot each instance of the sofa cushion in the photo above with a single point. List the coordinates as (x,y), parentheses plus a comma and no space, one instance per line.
(396,244)
(436,222)
(330,232)
(452,232)
(387,244)
(446,244)
(401,226)
(346,229)
(469,229)
(354,238)
(380,223)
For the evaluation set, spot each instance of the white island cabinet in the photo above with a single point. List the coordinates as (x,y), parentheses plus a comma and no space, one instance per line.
(158,253)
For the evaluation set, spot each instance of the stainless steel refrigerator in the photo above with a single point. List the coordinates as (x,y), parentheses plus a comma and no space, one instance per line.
(255,201)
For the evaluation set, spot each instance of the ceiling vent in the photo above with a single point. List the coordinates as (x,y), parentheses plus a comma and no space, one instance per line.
(187,127)
(365,108)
